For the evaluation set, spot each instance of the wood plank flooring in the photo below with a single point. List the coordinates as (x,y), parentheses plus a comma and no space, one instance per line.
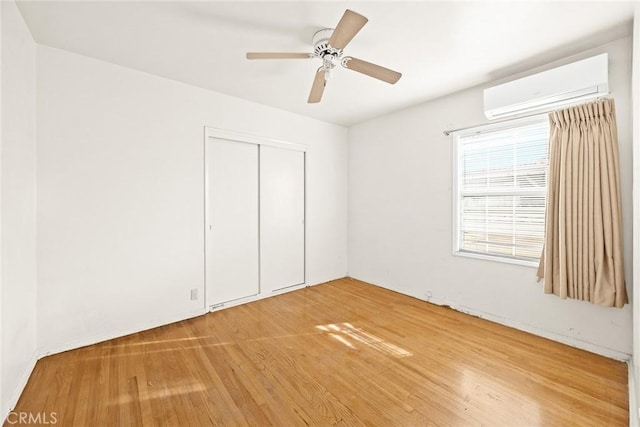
(344,353)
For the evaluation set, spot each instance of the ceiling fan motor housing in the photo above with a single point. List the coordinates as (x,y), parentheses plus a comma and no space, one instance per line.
(322,49)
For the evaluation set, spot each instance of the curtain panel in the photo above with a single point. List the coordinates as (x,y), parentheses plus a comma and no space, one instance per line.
(582,256)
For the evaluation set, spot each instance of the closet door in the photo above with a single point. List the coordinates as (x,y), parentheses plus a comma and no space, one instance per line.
(281,218)
(232,232)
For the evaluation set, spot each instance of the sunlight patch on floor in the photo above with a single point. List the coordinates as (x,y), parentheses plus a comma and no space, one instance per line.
(343,331)
(479,388)
(151,342)
(158,349)
(343,340)
(148,392)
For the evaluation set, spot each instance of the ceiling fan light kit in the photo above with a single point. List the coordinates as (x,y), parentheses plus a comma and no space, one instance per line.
(328,45)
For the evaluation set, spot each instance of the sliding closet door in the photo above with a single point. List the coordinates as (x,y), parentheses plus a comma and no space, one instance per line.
(281,218)
(232,232)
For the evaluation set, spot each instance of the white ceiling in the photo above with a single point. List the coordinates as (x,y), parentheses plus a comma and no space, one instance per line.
(440,47)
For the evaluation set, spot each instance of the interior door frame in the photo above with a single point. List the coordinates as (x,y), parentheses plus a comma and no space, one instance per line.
(229,135)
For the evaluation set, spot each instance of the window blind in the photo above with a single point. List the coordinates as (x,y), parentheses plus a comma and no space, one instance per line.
(502,183)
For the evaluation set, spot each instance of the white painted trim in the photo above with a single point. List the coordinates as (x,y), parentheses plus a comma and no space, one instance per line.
(140,327)
(497,258)
(205,173)
(501,125)
(306,215)
(211,132)
(22,383)
(71,345)
(207,208)
(253,298)
(634,378)
(634,410)
(455,199)
(457,166)
(2,409)
(525,327)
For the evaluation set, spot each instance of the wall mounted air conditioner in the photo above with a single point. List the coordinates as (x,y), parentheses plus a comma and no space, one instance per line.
(549,90)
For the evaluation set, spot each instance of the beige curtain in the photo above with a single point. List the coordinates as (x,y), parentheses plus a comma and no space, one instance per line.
(582,255)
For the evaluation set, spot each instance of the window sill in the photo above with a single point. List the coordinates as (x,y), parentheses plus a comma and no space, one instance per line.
(496,258)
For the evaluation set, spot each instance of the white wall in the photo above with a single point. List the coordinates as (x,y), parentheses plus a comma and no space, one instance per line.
(121,200)
(3,409)
(2,402)
(17,209)
(636,217)
(400,221)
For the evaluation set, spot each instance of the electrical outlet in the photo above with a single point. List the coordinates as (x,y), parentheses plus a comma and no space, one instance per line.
(194,294)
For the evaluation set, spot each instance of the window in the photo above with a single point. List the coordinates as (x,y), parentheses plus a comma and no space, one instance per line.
(500,191)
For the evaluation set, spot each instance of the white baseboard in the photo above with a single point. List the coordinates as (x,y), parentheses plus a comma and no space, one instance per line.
(634,415)
(258,297)
(253,298)
(82,342)
(554,336)
(143,326)
(22,383)
(105,336)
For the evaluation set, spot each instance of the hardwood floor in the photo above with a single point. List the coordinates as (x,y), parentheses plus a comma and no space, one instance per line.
(344,352)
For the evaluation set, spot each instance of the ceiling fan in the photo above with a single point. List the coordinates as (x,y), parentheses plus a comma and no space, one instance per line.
(328,45)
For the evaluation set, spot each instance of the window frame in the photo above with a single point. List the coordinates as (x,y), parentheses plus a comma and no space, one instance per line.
(457,196)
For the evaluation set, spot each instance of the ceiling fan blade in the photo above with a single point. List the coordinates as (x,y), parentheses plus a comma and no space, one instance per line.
(349,25)
(317,89)
(372,70)
(278,55)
